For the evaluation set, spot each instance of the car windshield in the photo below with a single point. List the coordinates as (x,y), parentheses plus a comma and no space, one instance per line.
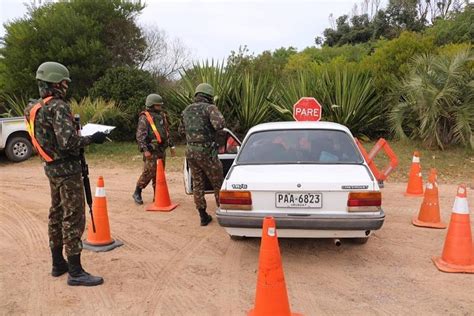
(299,146)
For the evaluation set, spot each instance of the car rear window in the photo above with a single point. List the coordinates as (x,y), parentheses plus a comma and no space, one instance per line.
(299,146)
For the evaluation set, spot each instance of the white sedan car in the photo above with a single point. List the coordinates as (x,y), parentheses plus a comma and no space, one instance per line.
(310,176)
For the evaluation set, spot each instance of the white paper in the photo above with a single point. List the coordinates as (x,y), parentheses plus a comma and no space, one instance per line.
(92,128)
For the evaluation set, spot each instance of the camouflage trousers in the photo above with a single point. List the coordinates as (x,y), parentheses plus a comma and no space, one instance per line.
(149,169)
(202,166)
(67,215)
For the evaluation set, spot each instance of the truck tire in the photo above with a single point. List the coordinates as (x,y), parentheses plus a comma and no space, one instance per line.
(18,149)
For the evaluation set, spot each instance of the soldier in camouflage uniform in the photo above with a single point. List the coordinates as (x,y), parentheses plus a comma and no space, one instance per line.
(55,138)
(153,146)
(201,121)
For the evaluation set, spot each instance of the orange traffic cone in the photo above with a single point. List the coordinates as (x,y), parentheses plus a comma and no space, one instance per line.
(429,215)
(162,201)
(458,251)
(415,181)
(271,297)
(100,240)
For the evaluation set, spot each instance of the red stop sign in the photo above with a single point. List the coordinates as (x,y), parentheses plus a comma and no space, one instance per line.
(307,109)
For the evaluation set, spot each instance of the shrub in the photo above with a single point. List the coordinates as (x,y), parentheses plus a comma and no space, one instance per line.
(437,101)
(128,87)
(347,95)
(98,111)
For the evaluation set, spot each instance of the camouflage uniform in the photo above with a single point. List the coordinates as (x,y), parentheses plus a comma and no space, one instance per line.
(56,133)
(147,142)
(201,121)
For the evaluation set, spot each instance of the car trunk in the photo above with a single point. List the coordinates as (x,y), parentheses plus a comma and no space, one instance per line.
(321,189)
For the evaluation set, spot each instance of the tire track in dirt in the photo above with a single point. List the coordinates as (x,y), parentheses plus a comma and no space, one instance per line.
(170,271)
(340,285)
(28,229)
(9,232)
(24,224)
(23,186)
(229,285)
(35,246)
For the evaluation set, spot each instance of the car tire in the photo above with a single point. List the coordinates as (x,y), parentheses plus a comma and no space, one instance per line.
(18,149)
(360,241)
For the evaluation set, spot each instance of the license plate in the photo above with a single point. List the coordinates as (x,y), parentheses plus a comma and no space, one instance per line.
(299,200)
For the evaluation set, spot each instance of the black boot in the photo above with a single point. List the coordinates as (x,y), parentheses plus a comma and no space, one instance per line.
(137,196)
(77,275)
(60,265)
(205,218)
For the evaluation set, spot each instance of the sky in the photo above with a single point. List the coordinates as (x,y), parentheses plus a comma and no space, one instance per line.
(213,28)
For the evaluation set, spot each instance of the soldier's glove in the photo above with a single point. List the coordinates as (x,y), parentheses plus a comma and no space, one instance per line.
(98,137)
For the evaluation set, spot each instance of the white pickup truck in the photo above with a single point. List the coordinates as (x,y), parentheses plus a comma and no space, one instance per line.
(14,139)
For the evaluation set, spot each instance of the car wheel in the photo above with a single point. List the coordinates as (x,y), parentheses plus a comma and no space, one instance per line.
(233,237)
(360,241)
(18,149)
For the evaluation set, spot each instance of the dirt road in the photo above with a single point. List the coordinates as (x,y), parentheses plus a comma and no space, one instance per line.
(171,266)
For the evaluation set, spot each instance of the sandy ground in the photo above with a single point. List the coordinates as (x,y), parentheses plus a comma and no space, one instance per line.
(169,265)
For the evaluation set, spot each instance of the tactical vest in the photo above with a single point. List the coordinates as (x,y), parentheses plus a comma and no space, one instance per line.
(159,133)
(197,124)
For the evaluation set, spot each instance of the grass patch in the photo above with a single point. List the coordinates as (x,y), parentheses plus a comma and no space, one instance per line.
(127,155)
(454,165)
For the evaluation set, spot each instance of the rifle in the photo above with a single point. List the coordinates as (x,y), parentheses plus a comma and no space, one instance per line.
(85,173)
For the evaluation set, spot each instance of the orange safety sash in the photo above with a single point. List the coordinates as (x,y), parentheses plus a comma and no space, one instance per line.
(30,126)
(153,126)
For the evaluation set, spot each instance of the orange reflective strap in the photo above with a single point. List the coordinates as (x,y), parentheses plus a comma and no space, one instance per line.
(369,157)
(30,126)
(153,126)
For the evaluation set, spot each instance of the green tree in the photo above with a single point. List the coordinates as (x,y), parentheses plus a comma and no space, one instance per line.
(87,36)
(128,87)
(458,29)
(391,59)
(405,15)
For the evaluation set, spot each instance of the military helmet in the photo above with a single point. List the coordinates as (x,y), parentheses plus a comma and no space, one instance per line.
(205,88)
(153,99)
(51,71)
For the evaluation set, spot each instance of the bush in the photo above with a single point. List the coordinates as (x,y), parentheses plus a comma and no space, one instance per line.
(99,111)
(455,30)
(437,101)
(392,58)
(128,87)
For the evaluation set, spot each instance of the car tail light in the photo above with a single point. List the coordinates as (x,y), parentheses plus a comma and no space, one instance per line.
(235,200)
(364,202)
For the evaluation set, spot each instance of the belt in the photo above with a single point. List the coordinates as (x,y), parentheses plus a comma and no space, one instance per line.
(61,160)
(201,144)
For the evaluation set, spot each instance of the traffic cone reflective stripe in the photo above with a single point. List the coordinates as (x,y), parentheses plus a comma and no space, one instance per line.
(460,203)
(429,215)
(415,180)
(162,201)
(271,296)
(100,240)
(458,250)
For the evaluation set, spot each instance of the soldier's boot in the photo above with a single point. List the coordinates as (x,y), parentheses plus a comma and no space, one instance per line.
(137,196)
(205,218)
(77,275)
(60,265)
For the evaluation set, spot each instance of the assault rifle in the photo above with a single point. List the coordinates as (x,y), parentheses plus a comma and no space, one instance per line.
(85,173)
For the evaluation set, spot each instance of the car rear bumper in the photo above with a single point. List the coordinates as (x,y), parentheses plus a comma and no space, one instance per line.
(308,222)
